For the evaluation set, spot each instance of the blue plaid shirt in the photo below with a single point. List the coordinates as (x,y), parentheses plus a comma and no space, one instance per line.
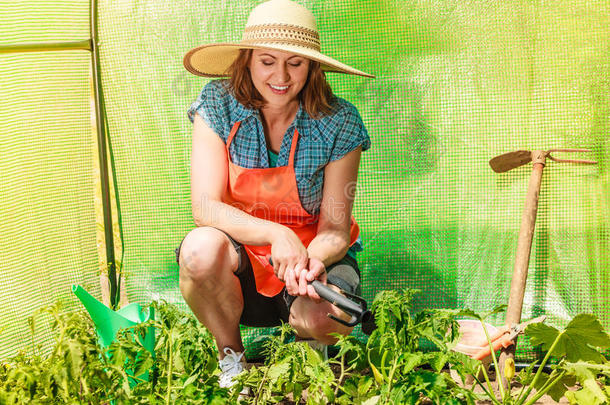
(320,140)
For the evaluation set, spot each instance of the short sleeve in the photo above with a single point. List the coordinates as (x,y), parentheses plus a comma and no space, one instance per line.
(351,133)
(211,105)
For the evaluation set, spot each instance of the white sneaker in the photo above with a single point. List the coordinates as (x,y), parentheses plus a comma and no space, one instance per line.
(231,366)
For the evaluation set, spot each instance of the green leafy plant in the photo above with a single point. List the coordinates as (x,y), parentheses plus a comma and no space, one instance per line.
(79,371)
(289,369)
(74,371)
(577,349)
(185,365)
(403,372)
(391,367)
(404,361)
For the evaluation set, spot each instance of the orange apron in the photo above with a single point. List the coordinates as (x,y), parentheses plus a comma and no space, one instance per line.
(271,194)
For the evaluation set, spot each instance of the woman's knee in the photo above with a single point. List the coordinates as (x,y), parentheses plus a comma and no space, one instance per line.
(205,253)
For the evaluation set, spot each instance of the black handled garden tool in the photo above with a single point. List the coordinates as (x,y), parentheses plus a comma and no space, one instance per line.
(353,305)
(504,163)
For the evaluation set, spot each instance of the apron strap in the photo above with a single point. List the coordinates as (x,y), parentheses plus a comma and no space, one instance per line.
(293,148)
(232,134)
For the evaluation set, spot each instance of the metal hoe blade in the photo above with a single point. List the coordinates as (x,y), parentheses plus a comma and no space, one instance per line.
(510,160)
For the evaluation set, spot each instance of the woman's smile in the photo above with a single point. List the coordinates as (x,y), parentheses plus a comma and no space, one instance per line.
(279,89)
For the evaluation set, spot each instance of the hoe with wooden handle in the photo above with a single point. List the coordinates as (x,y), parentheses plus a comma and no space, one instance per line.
(504,163)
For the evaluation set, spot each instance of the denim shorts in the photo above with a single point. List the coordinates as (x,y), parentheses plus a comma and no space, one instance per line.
(262,311)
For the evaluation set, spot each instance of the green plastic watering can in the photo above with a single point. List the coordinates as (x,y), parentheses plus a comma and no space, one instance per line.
(108,322)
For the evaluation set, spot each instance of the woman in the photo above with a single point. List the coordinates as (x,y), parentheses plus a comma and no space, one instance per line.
(274,163)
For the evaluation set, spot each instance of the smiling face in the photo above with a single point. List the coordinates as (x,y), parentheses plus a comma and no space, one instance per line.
(278,76)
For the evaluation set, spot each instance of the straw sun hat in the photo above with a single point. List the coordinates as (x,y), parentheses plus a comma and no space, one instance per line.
(281,25)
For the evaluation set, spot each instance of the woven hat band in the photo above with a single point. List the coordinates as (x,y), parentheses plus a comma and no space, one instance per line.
(281,34)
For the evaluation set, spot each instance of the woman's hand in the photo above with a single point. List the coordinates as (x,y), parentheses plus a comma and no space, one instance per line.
(297,281)
(287,252)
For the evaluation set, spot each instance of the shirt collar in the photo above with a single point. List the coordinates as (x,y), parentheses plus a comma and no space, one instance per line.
(242,112)
(301,119)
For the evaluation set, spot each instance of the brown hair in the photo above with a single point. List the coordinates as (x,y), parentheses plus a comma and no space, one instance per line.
(316,96)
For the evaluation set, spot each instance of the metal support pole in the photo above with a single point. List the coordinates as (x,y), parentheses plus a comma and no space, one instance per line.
(103,161)
(84,45)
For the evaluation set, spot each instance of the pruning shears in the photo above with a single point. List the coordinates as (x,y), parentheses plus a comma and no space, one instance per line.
(504,337)
(352,305)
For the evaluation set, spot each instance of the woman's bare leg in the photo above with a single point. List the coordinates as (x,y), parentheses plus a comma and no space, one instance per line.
(310,319)
(208,285)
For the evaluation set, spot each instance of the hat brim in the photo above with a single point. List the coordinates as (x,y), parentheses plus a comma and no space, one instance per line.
(214,60)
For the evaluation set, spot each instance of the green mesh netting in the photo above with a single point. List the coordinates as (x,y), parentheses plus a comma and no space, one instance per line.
(457,84)
(47,183)
(47,213)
